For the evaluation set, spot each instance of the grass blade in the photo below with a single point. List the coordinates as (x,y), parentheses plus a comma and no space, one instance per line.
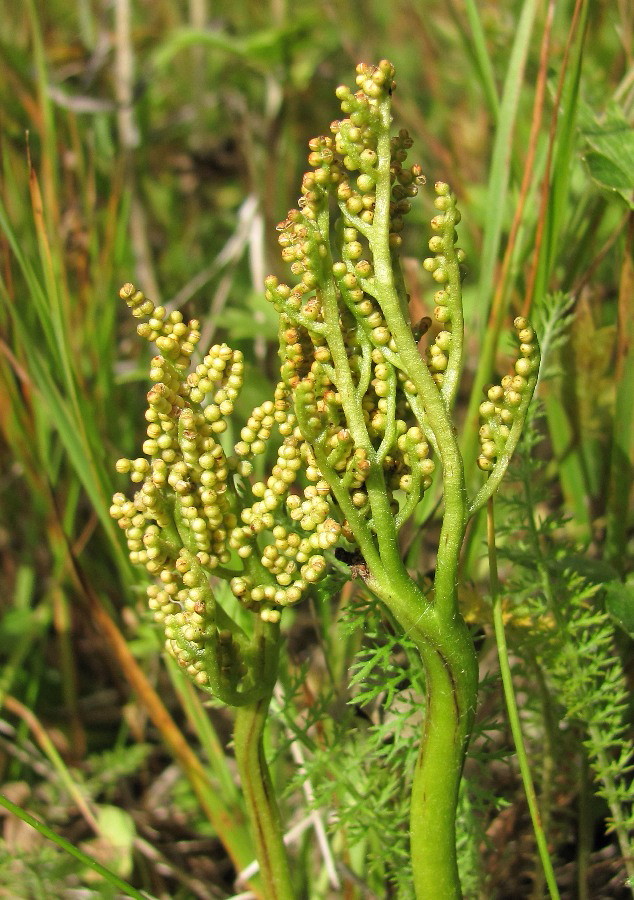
(69,848)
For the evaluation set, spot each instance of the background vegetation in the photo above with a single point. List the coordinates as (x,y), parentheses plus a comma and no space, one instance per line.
(160,143)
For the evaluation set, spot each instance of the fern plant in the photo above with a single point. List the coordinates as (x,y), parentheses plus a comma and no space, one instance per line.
(365,420)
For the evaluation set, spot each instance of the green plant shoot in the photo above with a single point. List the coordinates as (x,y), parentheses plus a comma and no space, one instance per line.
(364,414)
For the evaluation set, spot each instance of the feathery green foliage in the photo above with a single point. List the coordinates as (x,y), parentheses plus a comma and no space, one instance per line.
(572,637)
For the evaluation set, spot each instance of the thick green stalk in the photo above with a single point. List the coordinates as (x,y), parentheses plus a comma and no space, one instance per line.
(451,675)
(260,799)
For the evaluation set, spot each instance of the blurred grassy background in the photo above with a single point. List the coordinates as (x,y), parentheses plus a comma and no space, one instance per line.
(160,142)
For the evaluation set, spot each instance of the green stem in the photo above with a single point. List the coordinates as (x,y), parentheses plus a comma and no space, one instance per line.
(512,711)
(451,678)
(260,799)
(585,826)
(257,788)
